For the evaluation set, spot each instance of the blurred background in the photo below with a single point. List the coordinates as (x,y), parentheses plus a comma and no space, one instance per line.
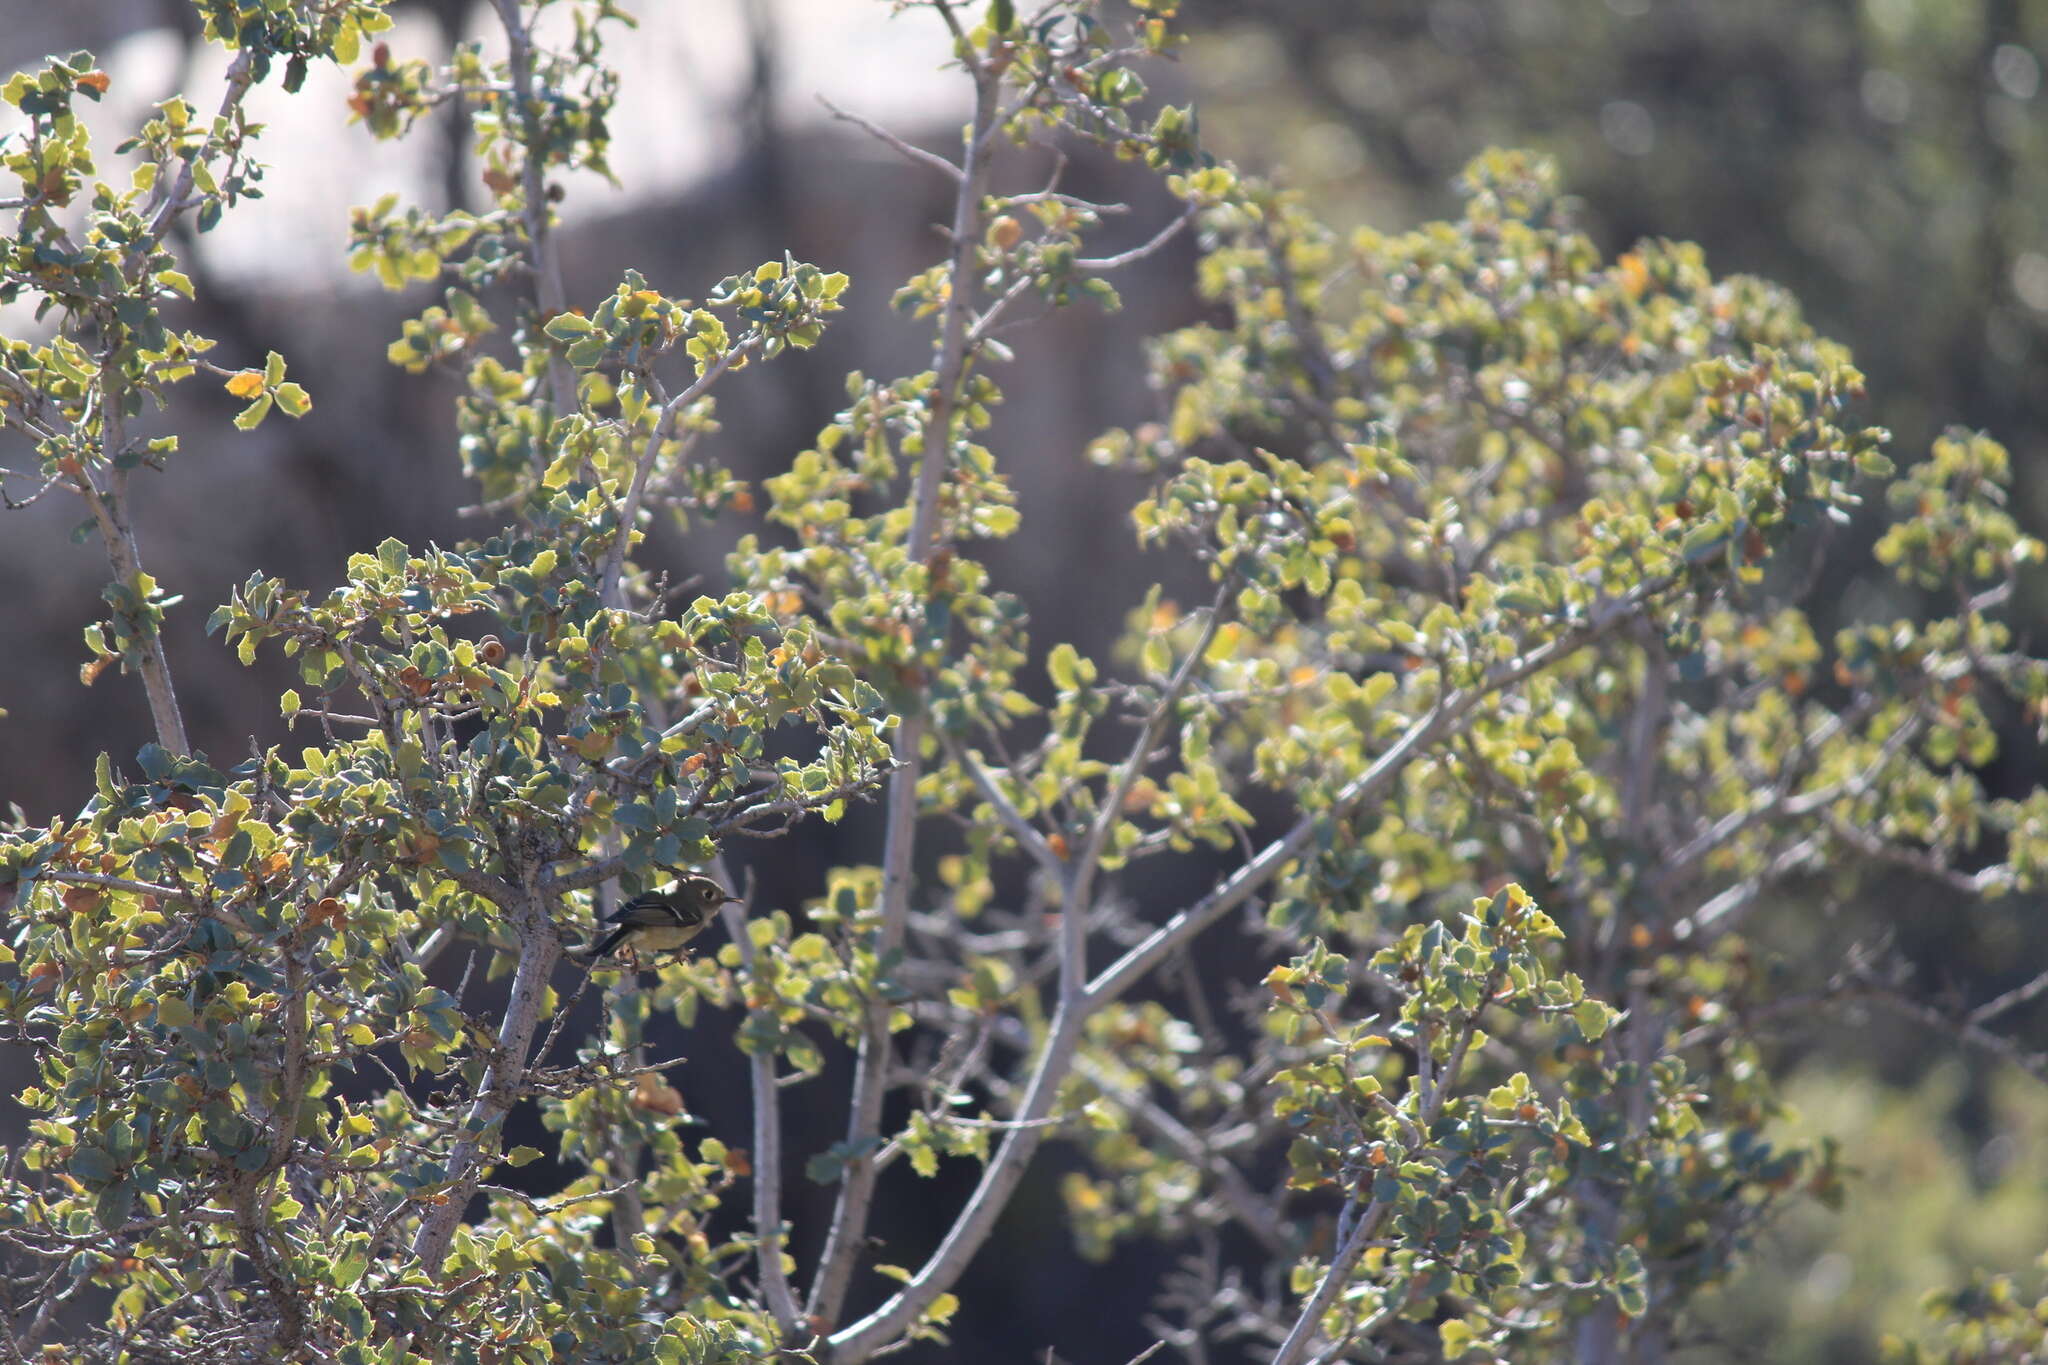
(1886,159)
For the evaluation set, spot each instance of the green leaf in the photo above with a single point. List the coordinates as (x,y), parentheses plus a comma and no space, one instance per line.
(1630,1293)
(1703,542)
(249,418)
(1593,1018)
(293,400)
(1063,667)
(92,1165)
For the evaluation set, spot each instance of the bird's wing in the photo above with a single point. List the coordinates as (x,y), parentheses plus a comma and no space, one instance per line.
(644,912)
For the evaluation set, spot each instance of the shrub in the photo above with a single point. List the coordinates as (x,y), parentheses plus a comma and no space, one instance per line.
(1501,724)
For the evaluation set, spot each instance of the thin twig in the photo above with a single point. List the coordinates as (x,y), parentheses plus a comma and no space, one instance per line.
(1861,979)
(2011,1000)
(1022,830)
(916,154)
(169,893)
(615,558)
(1143,249)
(1073,943)
(1732,903)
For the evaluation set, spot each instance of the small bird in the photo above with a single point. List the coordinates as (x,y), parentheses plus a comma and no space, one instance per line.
(659,921)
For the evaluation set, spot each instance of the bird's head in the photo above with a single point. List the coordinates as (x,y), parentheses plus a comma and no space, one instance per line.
(699,897)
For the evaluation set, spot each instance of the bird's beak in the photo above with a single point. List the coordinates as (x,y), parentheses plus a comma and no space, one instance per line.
(731,899)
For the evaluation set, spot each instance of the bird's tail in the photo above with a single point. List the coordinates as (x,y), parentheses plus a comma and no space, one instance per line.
(593,952)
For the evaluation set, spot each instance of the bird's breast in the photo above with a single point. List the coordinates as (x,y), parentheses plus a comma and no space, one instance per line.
(662,938)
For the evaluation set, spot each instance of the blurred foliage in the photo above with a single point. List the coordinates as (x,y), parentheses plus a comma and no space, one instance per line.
(1930,1203)
(1886,158)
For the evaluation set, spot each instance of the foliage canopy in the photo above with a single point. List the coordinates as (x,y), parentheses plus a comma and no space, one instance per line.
(1503,721)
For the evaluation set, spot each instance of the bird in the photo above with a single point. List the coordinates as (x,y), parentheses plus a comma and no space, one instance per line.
(659,921)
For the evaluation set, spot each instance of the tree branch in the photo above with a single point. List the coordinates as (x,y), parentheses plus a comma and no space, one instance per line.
(916,154)
(1452,710)
(169,893)
(1022,830)
(109,506)
(615,559)
(1431,1094)
(1143,249)
(503,1080)
(871,1065)
(541,256)
(1073,936)
(175,193)
(1334,1279)
(999,1179)
(768,1239)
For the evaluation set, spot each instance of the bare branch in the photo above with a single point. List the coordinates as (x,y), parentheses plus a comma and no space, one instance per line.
(1863,978)
(768,1239)
(916,154)
(1334,1279)
(999,1181)
(1022,830)
(986,323)
(2011,1000)
(1988,881)
(1732,903)
(1146,248)
(1254,1215)
(1073,941)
